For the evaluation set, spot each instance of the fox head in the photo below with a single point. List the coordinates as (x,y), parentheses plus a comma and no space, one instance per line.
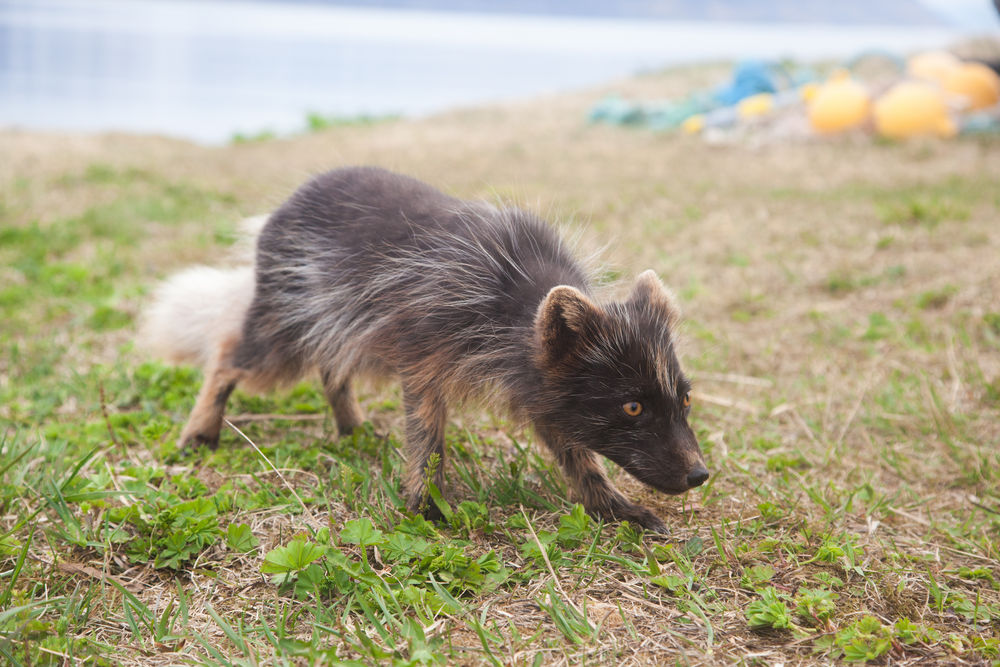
(611,382)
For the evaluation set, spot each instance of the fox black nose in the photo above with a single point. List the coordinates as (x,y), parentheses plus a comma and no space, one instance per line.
(697,476)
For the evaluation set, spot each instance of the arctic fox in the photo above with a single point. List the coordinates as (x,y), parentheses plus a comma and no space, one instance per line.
(364,272)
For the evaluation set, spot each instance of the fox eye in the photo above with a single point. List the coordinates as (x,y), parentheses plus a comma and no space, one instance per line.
(632,408)
(687,400)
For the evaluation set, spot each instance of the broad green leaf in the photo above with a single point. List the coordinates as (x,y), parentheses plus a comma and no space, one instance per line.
(240,538)
(361,532)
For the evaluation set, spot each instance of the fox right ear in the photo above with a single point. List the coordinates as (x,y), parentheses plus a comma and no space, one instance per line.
(563,319)
(650,293)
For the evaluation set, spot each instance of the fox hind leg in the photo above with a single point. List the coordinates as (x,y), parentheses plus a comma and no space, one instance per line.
(221,377)
(340,395)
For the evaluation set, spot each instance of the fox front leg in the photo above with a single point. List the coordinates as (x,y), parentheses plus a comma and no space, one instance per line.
(426,416)
(599,496)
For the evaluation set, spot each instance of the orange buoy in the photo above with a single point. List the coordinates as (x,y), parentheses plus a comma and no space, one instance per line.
(976,82)
(838,104)
(913,108)
(933,66)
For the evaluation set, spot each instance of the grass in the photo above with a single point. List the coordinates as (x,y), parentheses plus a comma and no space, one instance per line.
(317,122)
(842,331)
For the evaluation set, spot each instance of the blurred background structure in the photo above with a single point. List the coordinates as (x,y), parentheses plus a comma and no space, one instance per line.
(212,70)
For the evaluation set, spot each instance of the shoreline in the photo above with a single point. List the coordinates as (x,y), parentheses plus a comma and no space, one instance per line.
(212,70)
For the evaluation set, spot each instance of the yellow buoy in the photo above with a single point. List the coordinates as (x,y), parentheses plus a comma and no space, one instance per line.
(756,105)
(976,82)
(934,66)
(838,104)
(694,124)
(913,108)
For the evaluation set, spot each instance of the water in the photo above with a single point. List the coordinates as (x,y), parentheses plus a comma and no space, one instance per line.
(207,70)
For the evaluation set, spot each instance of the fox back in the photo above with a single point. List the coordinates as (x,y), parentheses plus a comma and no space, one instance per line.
(368,272)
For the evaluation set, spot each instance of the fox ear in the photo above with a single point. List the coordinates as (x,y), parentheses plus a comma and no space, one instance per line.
(650,292)
(564,317)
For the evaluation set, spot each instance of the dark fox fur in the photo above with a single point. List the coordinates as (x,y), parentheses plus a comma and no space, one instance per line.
(363,272)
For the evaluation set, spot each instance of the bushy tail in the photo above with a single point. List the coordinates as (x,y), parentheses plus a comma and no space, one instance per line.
(195,310)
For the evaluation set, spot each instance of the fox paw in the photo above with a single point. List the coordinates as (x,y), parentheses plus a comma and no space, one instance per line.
(425,507)
(643,517)
(432,513)
(635,514)
(192,440)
